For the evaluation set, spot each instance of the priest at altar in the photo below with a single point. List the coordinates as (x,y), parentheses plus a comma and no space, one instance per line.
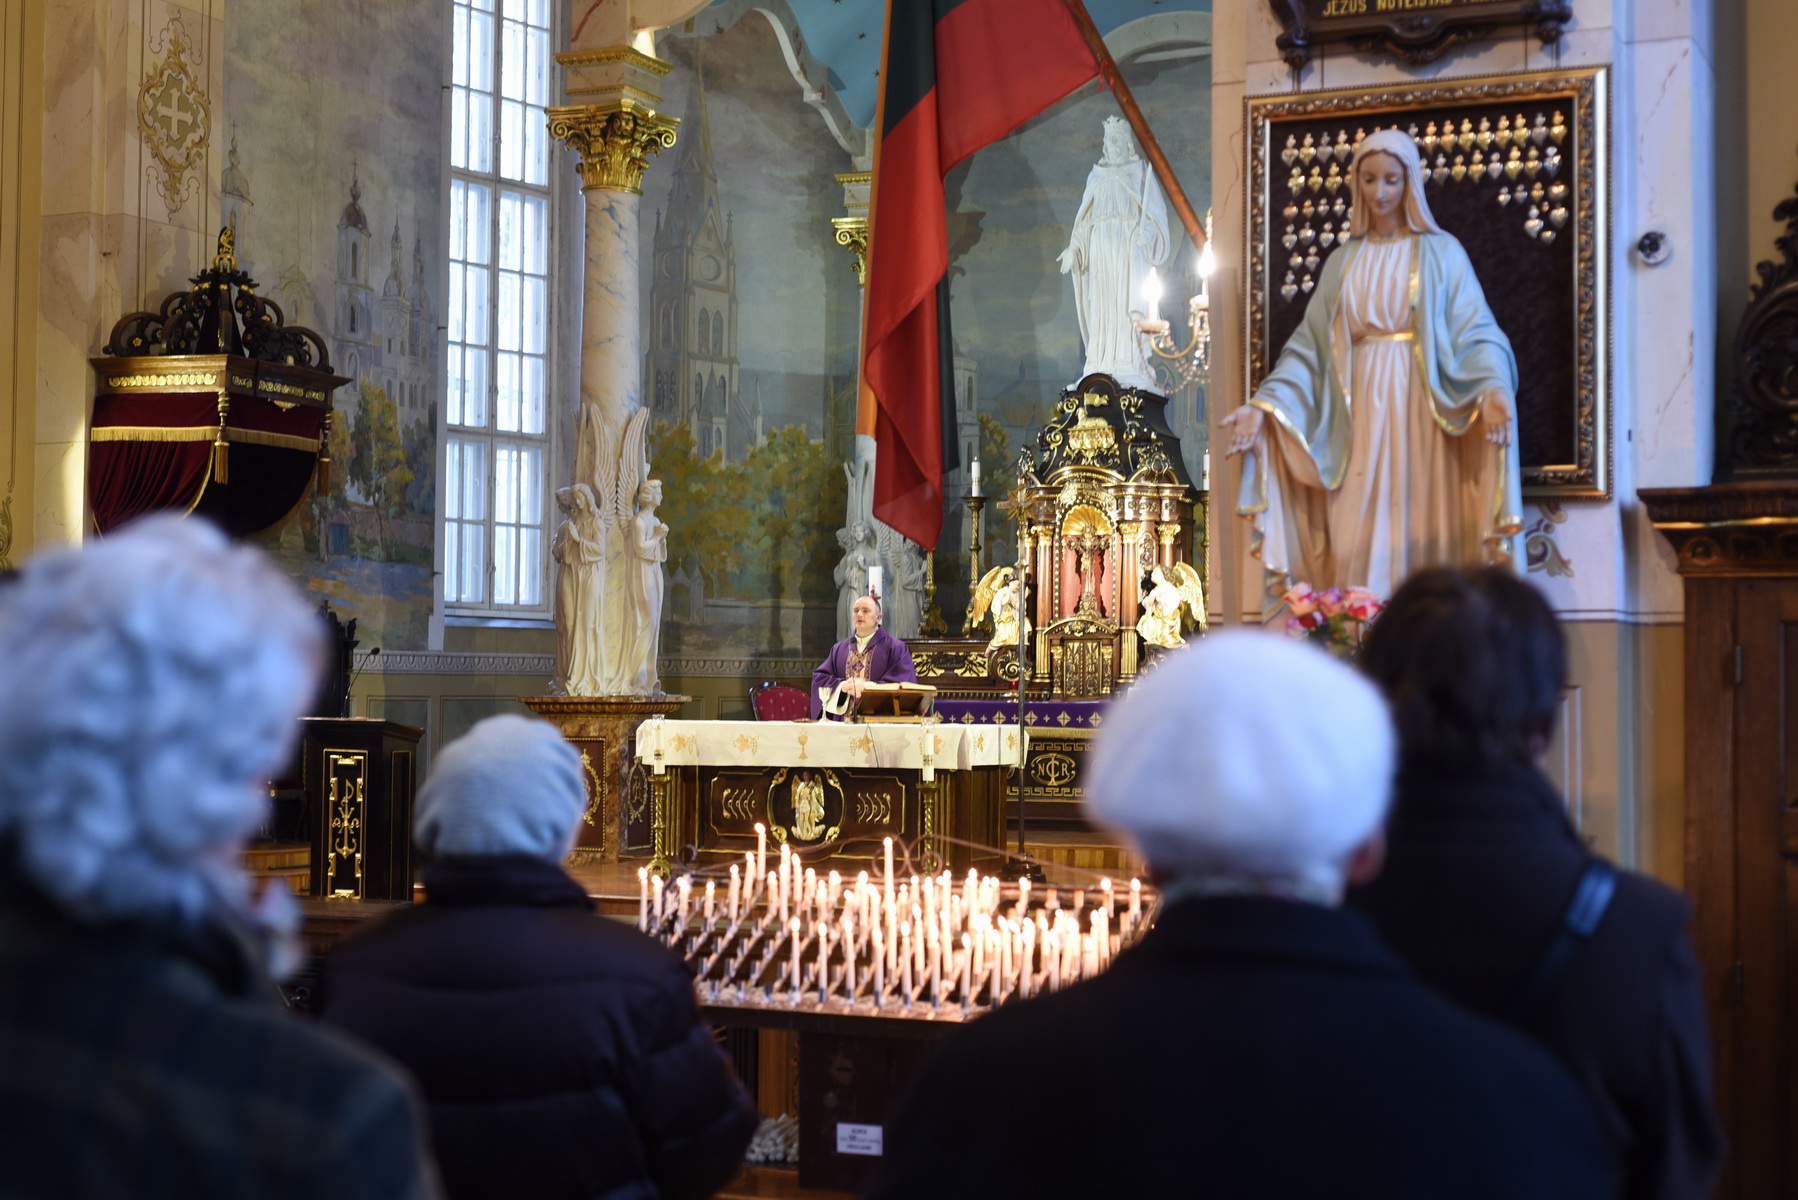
(868,655)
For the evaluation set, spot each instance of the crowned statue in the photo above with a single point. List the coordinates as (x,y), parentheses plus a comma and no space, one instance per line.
(1119,234)
(1421,469)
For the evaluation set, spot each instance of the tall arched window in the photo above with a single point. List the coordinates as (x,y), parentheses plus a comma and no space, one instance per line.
(717,333)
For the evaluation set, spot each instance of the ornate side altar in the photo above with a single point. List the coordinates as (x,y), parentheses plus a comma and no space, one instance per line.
(1101,505)
(603,729)
(832,792)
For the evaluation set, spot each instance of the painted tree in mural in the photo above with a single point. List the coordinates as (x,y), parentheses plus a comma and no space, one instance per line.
(708,524)
(796,490)
(995,445)
(377,465)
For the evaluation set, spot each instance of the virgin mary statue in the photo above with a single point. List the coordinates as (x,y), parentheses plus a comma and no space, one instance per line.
(1389,446)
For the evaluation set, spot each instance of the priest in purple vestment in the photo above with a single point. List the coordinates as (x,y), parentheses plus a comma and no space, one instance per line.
(868,655)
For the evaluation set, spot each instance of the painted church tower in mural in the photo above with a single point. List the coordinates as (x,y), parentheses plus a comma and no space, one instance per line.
(353,332)
(691,370)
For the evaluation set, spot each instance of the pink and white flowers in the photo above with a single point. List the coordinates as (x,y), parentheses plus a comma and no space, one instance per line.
(1337,617)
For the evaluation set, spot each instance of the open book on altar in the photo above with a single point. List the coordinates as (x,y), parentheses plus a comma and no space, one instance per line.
(894,702)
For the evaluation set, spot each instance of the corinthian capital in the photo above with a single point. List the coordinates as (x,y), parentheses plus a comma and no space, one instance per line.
(614,140)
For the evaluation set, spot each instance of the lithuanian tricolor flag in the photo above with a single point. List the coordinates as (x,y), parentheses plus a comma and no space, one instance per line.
(958,75)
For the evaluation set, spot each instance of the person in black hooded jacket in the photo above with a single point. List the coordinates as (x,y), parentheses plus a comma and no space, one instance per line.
(1491,896)
(561,1054)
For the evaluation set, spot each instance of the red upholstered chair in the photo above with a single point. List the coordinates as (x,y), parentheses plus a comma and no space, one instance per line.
(779,702)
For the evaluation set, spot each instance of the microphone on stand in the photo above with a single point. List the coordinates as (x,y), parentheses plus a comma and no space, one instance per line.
(350,689)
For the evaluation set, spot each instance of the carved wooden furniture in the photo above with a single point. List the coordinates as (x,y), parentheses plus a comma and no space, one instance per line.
(1411,32)
(1737,542)
(604,730)
(195,414)
(359,776)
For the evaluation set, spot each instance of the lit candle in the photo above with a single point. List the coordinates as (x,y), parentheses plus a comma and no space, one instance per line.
(1008,937)
(735,884)
(1026,965)
(643,898)
(888,880)
(655,900)
(1023,899)
(936,972)
(967,959)
(761,849)
(849,958)
(974,479)
(1151,294)
(874,580)
(777,909)
(1135,902)
(1110,902)
(684,885)
(711,891)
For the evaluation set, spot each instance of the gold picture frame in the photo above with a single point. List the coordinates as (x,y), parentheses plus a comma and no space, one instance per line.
(1541,252)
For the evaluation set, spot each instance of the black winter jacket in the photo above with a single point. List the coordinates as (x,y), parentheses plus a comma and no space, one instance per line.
(561,1053)
(1247,1048)
(1480,868)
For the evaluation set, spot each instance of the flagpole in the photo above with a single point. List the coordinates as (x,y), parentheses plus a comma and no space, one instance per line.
(1145,138)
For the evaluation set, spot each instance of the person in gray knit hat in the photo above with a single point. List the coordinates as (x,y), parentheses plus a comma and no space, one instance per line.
(561,1053)
(510,785)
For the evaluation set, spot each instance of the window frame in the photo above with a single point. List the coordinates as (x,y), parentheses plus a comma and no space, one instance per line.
(490,437)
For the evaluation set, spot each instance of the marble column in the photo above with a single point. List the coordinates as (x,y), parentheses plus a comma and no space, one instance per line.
(614,139)
(614,134)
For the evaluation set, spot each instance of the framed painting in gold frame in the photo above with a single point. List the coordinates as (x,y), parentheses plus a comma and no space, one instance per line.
(1517,171)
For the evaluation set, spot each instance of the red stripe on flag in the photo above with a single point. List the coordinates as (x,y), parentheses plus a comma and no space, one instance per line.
(1000,62)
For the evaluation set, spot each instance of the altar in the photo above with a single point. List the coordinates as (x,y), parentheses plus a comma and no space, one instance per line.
(832,791)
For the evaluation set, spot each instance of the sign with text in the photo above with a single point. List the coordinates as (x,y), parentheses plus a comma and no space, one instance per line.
(858,1139)
(1417,31)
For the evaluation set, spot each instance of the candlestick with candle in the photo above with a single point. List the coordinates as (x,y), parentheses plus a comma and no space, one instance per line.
(643,899)
(761,850)
(974,479)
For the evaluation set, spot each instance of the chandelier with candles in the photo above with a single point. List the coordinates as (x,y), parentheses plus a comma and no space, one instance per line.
(1190,363)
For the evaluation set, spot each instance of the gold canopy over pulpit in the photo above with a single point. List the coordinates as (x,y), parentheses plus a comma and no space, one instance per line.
(1103,501)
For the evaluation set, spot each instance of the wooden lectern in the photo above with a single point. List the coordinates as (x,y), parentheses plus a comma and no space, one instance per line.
(359,776)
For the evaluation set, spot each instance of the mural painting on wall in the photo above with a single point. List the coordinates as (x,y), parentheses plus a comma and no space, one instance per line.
(346,238)
(750,315)
(751,319)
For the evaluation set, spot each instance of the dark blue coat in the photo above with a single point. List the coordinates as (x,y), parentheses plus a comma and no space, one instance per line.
(561,1053)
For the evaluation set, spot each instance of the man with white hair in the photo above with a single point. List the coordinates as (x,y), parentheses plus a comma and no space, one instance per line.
(153,683)
(1259,1041)
(561,1054)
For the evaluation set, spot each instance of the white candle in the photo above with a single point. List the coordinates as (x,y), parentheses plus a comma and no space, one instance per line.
(874,581)
(974,478)
(1023,899)
(1110,902)
(643,898)
(849,958)
(711,891)
(793,933)
(967,961)
(880,970)
(1151,294)
(905,959)
(936,972)
(1205,473)
(761,850)
(655,900)
(777,908)
(888,880)
(993,956)
(735,884)
(1026,965)
(684,885)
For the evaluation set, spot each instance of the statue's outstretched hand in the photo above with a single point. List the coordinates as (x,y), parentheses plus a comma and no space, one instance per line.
(1070,261)
(1495,415)
(1244,428)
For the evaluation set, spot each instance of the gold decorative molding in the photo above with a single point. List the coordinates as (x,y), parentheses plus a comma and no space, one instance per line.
(853,233)
(630,56)
(6,534)
(1729,529)
(174,115)
(614,141)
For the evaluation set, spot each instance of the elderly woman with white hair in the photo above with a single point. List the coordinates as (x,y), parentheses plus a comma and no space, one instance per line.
(1259,1041)
(152,686)
(561,1053)
(1381,441)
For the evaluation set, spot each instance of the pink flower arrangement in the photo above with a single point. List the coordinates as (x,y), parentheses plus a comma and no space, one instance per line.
(1337,618)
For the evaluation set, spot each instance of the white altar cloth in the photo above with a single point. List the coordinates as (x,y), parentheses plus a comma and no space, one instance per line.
(827,744)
